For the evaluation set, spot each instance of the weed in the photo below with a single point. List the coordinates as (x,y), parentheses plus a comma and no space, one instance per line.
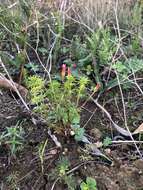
(78,132)
(63,166)
(36,85)
(78,48)
(14,35)
(127,69)
(90,184)
(135,45)
(41,151)
(101,48)
(12,180)
(32,67)
(61,172)
(59,27)
(62,110)
(13,137)
(102,45)
(107,141)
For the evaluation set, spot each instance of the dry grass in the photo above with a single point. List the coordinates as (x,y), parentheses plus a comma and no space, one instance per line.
(89,12)
(92,12)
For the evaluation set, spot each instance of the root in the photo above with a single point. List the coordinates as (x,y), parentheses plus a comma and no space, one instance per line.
(7,84)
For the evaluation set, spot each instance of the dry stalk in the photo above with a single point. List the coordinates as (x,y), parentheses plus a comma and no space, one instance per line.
(120,88)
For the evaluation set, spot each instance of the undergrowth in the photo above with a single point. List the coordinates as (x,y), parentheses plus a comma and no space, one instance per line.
(65,54)
(58,103)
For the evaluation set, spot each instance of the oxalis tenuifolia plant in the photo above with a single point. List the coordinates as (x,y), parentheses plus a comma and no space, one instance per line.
(58,103)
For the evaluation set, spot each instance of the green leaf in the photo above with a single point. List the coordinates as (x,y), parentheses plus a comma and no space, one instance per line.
(84,186)
(79,134)
(44,51)
(91,183)
(107,141)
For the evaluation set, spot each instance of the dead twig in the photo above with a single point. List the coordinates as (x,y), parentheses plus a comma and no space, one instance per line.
(54,138)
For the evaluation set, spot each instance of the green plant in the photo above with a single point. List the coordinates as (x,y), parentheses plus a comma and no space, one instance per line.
(63,166)
(90,184)
(107,141)
(41,151)
(78,131)
(13,22)
(61,172)
(61,109)
(36,85)
(15,36)
(59,30)
(32,67)
(78,49)
(12,25)
(13,137)
(132,65)
(135,45)
(12,180)
(126,71)
(102,45)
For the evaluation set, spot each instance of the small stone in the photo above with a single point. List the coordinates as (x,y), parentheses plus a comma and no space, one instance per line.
(108,151)
(72,133)
(65,151)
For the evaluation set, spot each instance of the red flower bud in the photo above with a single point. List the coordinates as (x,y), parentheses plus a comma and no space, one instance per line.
(97,87)
(63,73)
(69,72)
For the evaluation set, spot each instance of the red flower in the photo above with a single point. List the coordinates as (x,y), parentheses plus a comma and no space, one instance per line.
(97,87)
(69,72)
(63,73)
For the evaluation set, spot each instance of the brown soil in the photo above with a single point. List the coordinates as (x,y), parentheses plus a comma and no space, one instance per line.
(124,172)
